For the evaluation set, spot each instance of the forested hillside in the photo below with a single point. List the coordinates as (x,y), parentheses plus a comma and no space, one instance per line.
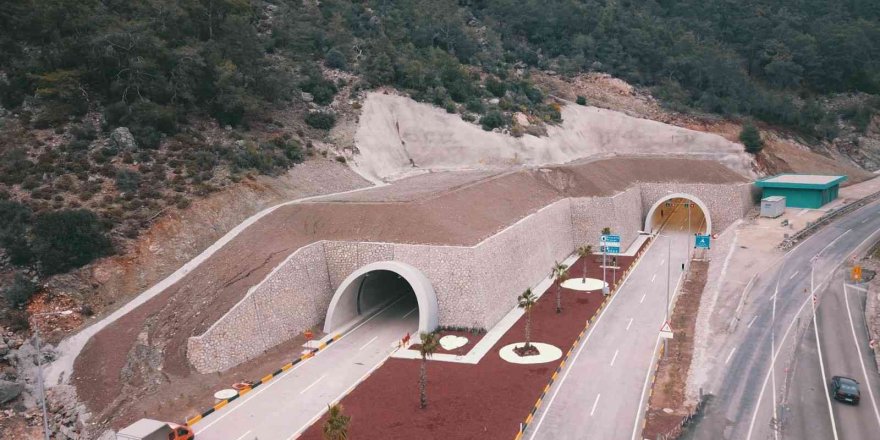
(104,103)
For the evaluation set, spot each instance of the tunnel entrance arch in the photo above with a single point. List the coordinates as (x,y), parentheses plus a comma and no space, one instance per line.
(654,217)
(363,290)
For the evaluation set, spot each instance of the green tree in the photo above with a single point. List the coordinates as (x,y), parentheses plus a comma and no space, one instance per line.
(751,138)
(526,301)
(15,219)
(336,426)
(68,239)
(20,292)
(429,344)
(584,252)
(560,274)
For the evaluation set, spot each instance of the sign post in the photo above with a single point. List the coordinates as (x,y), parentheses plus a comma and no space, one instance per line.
(605,239)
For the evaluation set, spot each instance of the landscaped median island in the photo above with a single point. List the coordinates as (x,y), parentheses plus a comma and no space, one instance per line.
(668,407)
(487,400)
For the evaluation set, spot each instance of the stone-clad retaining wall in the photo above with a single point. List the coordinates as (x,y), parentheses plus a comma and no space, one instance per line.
(475,285)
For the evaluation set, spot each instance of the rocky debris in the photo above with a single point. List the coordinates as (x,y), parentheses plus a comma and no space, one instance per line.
(122,139)
(9,390)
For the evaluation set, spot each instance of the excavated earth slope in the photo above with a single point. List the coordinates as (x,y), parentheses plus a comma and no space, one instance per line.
(146,347)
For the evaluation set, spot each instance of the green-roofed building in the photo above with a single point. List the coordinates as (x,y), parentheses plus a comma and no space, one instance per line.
(802,190)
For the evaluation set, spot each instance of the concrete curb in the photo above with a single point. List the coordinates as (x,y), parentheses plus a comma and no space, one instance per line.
(524,425)
(195,419)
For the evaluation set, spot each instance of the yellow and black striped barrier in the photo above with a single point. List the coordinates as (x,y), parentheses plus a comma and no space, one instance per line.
(195,419)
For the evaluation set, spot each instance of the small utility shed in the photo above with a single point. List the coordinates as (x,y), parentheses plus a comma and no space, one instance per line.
(802,190)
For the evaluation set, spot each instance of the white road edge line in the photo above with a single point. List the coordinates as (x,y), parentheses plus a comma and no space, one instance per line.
(313,383)
(833,241)
(645,389)
(791,324)
(859,352)
(594,404)
(265,387)
(614,357)
(629,323)
(584,344)
(730,356)
(822,368)
(368,343)
(243,435)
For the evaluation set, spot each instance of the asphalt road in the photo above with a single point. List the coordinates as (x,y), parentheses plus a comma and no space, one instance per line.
(600,389)
(291,402)
(771,384)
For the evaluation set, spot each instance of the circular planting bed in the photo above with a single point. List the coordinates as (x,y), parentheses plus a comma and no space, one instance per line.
(546,353)
(587,285)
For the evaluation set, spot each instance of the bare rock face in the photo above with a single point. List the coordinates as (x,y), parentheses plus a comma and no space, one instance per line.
(122,139)
(9,390)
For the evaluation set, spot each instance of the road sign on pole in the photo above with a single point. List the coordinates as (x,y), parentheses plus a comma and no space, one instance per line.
(702,241)
(610,238)
(666,331)
(610,249)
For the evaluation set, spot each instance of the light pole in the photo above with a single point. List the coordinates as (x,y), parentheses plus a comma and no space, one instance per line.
(42,388)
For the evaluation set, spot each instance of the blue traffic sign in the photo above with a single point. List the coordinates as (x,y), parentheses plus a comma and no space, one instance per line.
(610,238)
(610,249)
(703,241)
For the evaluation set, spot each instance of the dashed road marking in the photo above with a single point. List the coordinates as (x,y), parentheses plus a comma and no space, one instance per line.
(313,384)
(752,321)
(643,298)
(243,435)
(409,312)
(595,403)
(629,323)
(614,357)
(794,274)
(368,343)
(653,277)
(730,356)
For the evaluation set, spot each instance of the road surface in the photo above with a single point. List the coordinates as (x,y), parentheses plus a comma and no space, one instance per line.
(289,404)
(600,389)
(771,385)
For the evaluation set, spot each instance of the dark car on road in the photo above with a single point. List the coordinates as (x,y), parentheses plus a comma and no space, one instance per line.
(845,389)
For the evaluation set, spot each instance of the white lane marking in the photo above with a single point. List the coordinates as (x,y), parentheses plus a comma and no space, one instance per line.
(265,387)
(833,241)
(791,324)
(794,274)
(313,384)
(409,312)
(822,369)
(581,349)
(243,435)
(752,322)
(852,327)
(653,277)
(368,343)
(643,298)
(629,323)
(614,357)
(865,220)
(595,403)
(662,261)
(730,356)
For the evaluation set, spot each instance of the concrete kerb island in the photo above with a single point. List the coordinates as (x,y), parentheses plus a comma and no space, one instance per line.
(300,291)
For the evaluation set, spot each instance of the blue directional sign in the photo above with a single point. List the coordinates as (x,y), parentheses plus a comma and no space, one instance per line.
(610,249)
(610,238)
(702,241)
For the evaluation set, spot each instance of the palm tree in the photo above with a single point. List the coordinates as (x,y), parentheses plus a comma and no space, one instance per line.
(526,301)
(336,426)
(560,273)
(583,252)
(428,347)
